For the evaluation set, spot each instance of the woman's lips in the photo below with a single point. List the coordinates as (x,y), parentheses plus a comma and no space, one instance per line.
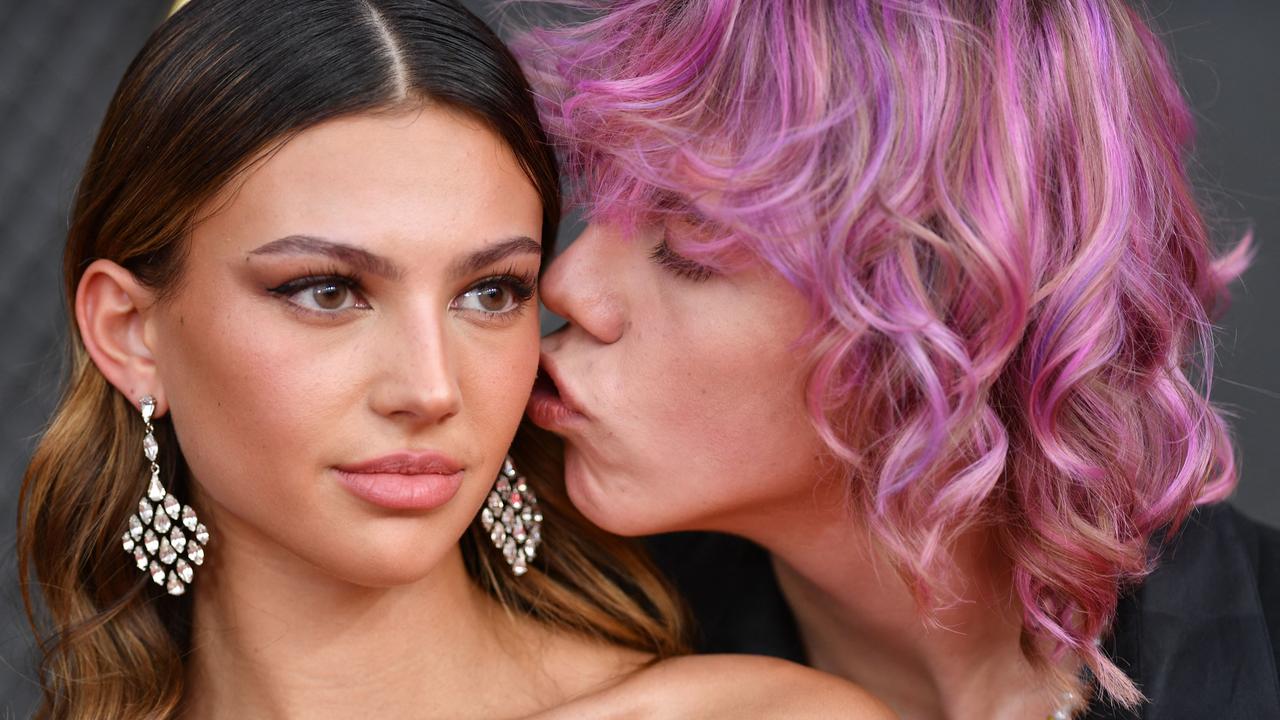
(403,480)
(548,407)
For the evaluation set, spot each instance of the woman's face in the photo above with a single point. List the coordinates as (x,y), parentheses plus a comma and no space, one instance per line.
(354,339)
(681,398)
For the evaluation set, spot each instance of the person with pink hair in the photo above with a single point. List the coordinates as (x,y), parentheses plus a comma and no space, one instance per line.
(911,302)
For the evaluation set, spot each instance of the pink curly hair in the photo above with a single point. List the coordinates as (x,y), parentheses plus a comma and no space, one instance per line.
(986,204)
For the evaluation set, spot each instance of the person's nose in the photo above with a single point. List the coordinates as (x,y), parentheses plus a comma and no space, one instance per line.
(584,284)
(417,381)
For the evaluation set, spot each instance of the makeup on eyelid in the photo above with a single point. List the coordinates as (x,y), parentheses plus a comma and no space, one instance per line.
(520,285)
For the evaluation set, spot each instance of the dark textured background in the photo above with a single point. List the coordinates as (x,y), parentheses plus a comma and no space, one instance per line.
(60,61)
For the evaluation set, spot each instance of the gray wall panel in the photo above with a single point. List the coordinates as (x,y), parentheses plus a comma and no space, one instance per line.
(60,60)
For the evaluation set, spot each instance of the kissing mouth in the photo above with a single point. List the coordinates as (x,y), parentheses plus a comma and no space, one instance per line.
(549,406)
(545,384)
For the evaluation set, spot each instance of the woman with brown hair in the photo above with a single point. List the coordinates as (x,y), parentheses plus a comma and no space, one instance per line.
(302,267)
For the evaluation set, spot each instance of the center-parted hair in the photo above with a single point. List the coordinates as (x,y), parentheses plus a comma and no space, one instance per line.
(986,204)
(217,87)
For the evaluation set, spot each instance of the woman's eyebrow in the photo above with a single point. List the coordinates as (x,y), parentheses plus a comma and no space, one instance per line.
(373,264)
(359,258)
(486,256)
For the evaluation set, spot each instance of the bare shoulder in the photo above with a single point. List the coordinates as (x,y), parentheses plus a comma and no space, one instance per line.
(725,686)
(754,686)
(574,667)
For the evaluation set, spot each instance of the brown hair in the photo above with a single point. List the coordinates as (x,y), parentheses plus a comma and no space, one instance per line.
(219,84)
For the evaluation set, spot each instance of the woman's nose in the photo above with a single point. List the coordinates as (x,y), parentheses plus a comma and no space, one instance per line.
(418,382)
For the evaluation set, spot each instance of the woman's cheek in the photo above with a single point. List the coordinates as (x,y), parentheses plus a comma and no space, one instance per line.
(239,389)
(500,372)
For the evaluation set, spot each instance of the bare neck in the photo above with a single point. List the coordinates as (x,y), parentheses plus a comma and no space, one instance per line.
(858,619)
(277,638)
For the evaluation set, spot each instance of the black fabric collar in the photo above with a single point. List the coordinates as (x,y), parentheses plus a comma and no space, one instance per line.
(1198,636)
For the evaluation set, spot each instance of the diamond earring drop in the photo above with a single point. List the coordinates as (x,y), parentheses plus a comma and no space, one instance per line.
(155,536)
(512,517)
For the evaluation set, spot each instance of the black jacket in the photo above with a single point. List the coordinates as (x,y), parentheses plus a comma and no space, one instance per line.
(1200,636)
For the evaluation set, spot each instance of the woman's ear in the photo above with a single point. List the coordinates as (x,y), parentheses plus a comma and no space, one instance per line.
(111,313)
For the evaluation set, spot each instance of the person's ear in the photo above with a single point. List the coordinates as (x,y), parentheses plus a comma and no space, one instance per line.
(111,313)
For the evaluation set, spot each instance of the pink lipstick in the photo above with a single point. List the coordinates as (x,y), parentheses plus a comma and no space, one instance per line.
(403,480)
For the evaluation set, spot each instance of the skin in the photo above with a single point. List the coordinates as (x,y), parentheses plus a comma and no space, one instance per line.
(691,416)
(313,602)
(724,686)
(659,365)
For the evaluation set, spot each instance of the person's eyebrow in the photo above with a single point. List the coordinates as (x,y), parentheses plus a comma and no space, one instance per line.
(500,250)
(358,258)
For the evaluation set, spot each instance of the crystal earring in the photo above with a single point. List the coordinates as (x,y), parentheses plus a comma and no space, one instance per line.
(512,517)
(154,537)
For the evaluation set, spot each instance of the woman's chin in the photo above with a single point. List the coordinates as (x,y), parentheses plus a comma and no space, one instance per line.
(381,562)
(384,575)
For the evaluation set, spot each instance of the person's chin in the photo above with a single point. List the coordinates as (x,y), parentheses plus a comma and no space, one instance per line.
(389,567)
(598,499)
(392,551)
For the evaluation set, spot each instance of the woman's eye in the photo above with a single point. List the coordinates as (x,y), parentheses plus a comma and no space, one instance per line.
(324,295)
(494,297)
(328,296)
